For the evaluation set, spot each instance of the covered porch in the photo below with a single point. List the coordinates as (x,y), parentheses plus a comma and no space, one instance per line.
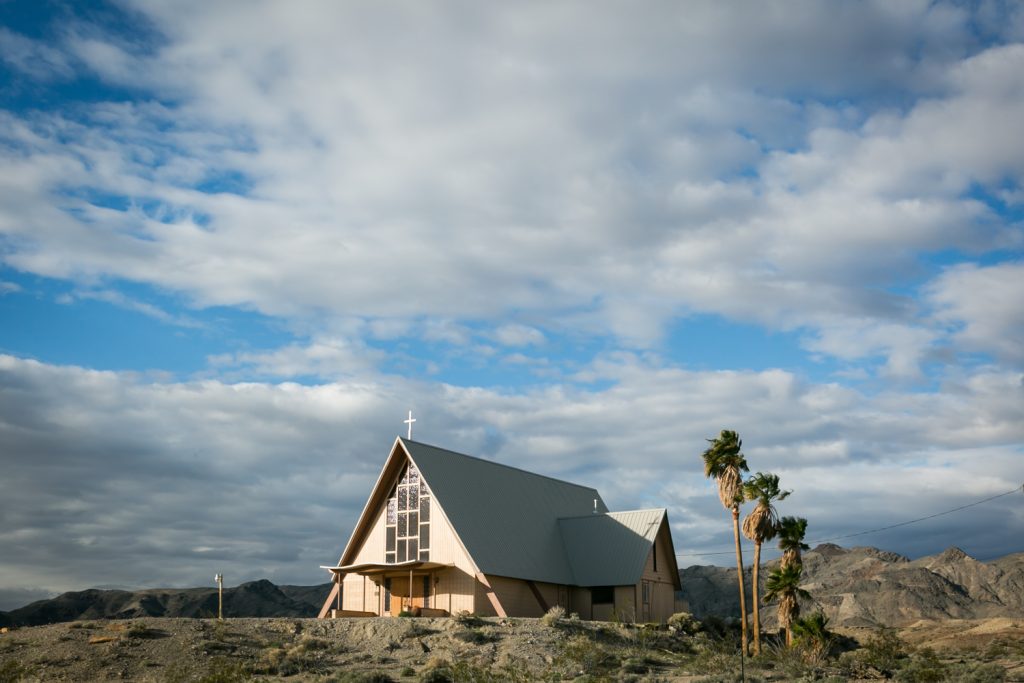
(390,589)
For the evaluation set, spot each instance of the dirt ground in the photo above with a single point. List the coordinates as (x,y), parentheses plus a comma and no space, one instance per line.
(399,649)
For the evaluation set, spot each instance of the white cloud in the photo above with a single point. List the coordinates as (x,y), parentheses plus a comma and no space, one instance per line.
(192,464)
(518,335)
(610,173)
(983,303)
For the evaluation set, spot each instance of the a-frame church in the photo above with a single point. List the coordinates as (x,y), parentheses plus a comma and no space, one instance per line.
(444,532)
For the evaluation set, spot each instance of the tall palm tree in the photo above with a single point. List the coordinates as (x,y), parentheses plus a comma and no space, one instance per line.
(759,526)
(725,462)
(783,587)
(791,540)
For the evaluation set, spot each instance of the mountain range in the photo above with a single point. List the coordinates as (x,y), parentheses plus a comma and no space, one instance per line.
(853,586)
(870,587)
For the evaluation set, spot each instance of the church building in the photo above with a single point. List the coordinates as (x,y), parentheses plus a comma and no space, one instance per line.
(444,532)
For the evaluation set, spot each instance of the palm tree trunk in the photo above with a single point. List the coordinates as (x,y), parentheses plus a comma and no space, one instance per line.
(739,571)
(757,601)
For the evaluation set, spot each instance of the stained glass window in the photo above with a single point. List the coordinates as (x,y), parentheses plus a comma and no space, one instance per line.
(407,521)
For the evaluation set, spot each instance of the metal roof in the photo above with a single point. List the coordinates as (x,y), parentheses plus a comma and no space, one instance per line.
(610,549)
(507,518)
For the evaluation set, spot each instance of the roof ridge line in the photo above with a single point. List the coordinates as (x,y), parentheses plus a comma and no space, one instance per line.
(501,464)
(615,512)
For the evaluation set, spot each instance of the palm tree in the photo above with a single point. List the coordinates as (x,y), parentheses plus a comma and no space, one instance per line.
(791,540)
(783,587)
(759,526)
(725,462)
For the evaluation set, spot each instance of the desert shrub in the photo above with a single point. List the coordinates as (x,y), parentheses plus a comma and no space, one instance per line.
(461,672)
(812,638)
(363,677)
(476,636)
(884,651)
(715,626)
(635,665)
(417,630)
(923,667)
(407,671)
(977,673)
(684,622)
(311,644)
(284,661)
(790,661)
(224,671)
(584,656)
(554,616)
(141,631)
(83,624)
(465,618)
(13,671)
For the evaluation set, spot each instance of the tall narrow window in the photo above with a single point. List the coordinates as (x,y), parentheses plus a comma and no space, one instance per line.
(407,521)
(654,551)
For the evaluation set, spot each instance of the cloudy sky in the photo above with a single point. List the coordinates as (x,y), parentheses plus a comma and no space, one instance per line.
(239,240)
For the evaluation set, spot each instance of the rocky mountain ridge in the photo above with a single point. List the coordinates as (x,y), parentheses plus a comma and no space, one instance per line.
(870,587)
(854,587)
(253,599)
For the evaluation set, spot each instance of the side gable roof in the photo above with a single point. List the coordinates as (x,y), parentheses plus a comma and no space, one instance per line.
(611,549)
(507,518)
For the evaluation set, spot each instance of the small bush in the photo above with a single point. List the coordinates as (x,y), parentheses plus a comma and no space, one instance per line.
(684,622)
(465,618)
(83,624)
(223,671)
(923,667)
(635,665)
(884,651)
(584,656)
(475,636)
(364,677)
(553,617)
(12,671)
(977,673)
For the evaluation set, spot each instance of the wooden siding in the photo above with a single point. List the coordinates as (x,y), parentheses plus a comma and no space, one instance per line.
(452,589)
(517,598)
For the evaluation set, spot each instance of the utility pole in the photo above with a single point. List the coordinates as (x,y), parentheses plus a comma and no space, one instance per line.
(219,578)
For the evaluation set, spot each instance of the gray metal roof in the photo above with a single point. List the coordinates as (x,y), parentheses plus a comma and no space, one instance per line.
(610,549)
(507,518)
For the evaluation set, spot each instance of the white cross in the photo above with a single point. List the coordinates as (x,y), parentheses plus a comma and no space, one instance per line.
(409,422)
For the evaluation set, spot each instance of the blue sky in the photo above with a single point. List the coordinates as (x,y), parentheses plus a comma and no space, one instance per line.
(238,241)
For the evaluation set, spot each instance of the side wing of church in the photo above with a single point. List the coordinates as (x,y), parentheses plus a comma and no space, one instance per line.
(444,532)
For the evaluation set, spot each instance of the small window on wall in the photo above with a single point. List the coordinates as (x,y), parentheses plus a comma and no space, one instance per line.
(602,595)
(654,551)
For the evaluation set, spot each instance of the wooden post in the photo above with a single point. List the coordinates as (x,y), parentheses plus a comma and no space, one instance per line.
(220,596)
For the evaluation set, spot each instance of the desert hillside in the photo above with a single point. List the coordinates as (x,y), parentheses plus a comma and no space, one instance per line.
(855,587)
(871,587)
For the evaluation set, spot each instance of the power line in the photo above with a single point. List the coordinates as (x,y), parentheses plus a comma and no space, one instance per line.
(884,528)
